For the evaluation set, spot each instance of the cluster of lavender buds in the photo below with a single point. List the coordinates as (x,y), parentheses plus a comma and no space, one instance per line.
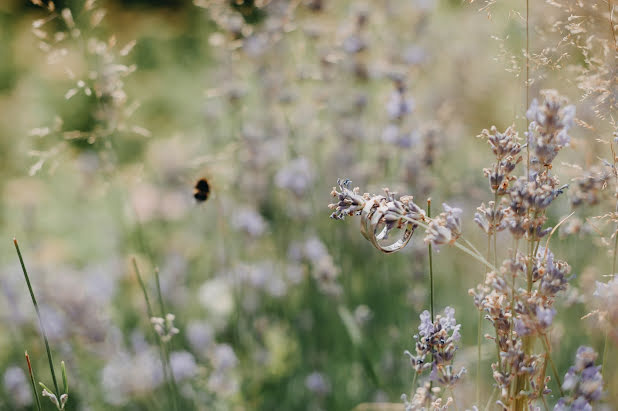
(583,381)
(515,314)
(164,327)
(507,149)
(436,347)
(490,218)
(549,126)
(445,228)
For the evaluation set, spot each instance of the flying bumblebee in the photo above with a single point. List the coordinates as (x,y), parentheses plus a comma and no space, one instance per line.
(201,190)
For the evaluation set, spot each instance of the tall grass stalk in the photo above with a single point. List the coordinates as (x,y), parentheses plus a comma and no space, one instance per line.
(38,314)
(35,393)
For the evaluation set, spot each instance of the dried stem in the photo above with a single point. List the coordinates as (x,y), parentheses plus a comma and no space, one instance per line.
(430,264)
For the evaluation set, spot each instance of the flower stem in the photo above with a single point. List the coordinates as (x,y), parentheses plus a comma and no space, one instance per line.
(479,333)
(38,314)
(162,351)
(551,362)
(430,264)
(34,391)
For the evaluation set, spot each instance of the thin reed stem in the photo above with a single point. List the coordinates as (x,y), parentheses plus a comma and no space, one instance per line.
(165,363)
(143,287)
(551,362)
(462,247)
(34,391)
(430,264)
(453,397)
(479,332)
(527,81)
(474,255)
(38,314)
(495,390)
(605,353)
(606,339)
(159,294)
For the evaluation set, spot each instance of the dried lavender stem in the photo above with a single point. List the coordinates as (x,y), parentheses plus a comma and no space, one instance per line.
(469,244)
(527,81)
(605,353)
(551,362)
(491,398)
(474,255)
(606,339)
(453,397)
(495,234)
(478,362)
(479,331)
(463,248)
(430,265)
(38,314)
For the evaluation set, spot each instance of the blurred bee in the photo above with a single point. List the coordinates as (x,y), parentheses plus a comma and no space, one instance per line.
(201,190)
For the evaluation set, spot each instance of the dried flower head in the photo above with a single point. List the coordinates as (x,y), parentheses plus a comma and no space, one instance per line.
(549,126)
(446,228)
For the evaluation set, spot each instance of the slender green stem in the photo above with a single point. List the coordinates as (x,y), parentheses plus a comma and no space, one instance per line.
(469,244)
(479,333)
(430,265)
(159,294)
(143,287)
(606,339)
(34,390)
(38,314)
(605,353)
(551,363)
(474,255)
(453,397)
(462,247)
(491,398)
(162,351)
